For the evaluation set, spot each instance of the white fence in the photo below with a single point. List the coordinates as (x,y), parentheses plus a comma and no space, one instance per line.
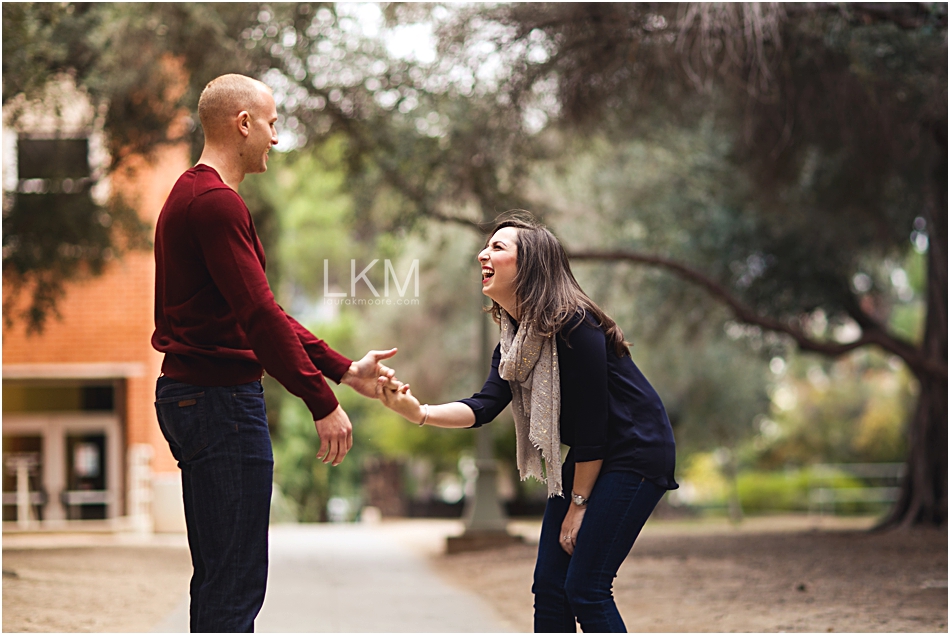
(883,479)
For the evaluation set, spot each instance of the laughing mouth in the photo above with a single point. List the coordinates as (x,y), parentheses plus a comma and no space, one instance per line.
(487,273)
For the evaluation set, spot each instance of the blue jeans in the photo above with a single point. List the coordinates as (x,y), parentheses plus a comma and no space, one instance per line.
(220,438)
(579,586)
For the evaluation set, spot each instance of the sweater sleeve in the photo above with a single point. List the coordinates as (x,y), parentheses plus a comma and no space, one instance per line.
(494,396)
(327,360)
(222,227)
(583,359)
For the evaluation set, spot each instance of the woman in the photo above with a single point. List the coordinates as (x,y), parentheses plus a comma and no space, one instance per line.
(564,366)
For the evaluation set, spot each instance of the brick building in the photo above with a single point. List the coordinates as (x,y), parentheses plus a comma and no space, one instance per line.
(80,437)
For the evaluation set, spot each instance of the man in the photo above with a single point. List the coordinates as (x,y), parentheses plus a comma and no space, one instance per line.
(220,328)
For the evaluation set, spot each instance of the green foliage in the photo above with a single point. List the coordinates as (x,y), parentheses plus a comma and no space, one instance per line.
(769,491)
(788,490)
(41,40)
(142,67)
(313,222)
(667,192)
(301,477)
(853,410)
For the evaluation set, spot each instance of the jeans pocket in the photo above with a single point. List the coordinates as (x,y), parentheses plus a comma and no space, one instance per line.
(250,418)
(184,422)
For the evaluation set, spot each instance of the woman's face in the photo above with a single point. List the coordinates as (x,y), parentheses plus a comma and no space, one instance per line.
(499,261)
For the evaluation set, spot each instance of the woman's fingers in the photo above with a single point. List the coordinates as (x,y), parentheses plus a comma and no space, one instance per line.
(567,542)
(390,396)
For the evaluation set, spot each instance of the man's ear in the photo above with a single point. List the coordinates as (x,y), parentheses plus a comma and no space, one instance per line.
(244,122)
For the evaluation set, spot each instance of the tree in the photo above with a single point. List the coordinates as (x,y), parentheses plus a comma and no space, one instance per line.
(141,67)
(833,119)
(837,119)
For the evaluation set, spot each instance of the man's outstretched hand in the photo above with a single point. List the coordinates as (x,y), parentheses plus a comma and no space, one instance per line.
(364,374)
(336,436)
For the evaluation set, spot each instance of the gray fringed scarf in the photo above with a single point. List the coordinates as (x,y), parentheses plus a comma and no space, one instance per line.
(529,364)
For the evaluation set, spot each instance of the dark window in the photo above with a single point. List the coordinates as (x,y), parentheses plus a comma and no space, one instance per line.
(19,397)
(97,398)
(52,158)
(86,469)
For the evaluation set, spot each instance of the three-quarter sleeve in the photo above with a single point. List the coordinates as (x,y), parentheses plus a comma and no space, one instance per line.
(584,392)
(494,396)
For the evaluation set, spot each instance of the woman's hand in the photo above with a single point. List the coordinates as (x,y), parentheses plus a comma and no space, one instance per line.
(571,526)
(400,400)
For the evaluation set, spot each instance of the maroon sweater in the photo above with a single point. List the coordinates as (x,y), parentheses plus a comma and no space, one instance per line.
(216,319)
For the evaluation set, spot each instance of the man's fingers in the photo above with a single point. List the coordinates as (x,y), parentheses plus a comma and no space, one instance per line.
(383,354)
(336,435)
(334,453)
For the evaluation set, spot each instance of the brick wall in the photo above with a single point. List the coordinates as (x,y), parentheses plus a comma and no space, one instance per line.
(109,318)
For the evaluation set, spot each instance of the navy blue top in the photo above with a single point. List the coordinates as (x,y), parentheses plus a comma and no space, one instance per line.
(609,410)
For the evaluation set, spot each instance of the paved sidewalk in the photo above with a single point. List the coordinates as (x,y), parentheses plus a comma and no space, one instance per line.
(361,578)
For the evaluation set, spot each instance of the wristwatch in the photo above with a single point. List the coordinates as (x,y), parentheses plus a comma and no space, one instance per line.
(579,500)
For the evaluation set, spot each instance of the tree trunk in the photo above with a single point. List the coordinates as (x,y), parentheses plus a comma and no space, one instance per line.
(923,498)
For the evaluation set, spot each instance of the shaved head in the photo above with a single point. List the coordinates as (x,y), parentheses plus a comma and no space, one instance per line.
(226,96)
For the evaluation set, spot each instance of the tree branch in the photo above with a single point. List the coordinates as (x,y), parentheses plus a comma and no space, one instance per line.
(464,222)
(873,335)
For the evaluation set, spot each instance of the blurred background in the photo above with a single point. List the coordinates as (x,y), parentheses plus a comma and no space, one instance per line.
(755,193)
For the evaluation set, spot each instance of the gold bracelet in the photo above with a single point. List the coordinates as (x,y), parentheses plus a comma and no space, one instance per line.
(426,417)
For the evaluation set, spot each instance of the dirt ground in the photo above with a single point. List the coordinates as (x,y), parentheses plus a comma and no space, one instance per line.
(767,575)
(760,578)
(92,588)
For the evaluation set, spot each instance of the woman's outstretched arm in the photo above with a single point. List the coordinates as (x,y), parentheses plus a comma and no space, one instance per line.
(403,402)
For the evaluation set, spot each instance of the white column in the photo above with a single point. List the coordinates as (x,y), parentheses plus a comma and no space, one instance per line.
(113,469)
(139,487)
(24,513)
(54,469)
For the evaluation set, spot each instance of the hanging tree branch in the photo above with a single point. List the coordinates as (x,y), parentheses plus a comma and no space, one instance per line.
(870,333)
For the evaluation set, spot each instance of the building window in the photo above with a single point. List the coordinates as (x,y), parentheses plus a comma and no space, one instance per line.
(25,398)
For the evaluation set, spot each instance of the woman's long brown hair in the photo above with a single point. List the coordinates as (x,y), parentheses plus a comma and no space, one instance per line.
(547,292)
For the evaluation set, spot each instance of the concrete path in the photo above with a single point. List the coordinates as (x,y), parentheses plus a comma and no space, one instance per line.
(347,578)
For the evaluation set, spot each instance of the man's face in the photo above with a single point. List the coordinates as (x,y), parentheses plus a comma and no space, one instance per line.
(262,134)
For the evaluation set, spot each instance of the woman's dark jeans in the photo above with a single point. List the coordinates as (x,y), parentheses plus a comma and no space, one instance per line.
(219,437)
(579,586)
